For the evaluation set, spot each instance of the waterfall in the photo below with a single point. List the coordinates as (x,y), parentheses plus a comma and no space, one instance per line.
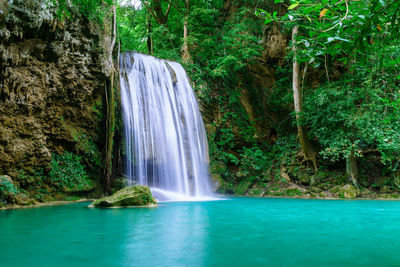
(166,143)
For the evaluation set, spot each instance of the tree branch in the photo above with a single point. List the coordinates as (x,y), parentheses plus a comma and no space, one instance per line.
(340,21)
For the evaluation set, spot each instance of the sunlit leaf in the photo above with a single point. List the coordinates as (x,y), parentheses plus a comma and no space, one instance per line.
(323,12)
(293,6)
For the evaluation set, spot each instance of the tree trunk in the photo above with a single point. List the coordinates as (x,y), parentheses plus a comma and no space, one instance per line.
(351,169)
(185,47)
(306,147)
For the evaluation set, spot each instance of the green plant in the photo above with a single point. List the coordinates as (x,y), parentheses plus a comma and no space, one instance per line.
(92,9)
(7,190)
(67,172)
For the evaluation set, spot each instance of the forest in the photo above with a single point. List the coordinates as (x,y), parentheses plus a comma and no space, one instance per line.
(290,91)
(298,98)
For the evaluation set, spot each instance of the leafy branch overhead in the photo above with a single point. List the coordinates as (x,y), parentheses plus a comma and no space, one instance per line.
(337,28)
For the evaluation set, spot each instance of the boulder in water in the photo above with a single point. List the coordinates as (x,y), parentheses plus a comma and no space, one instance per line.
(135,195)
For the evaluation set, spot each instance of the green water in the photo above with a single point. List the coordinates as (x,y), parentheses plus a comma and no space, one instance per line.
(235,232)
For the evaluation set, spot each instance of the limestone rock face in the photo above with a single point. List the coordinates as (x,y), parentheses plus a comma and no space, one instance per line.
(3,10)
(52,81)
(135,195)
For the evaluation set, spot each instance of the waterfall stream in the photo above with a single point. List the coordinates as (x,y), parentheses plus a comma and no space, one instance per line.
(166,143)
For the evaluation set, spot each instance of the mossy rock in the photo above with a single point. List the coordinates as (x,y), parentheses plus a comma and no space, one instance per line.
(348,191)
(242,187)
(120,183)
(255,192)
(293,192)
(313,195)
(135,195)
(335,190)
(226,188)
(315,189)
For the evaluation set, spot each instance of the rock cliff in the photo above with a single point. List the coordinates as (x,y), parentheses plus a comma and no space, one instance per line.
(52,80)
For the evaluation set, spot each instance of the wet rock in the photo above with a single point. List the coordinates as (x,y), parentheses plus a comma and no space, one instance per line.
(135,195)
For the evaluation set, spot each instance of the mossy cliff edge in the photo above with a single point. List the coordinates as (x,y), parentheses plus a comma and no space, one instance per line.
(52,78)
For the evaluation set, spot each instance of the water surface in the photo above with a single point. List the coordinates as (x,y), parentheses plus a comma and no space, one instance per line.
(235,232)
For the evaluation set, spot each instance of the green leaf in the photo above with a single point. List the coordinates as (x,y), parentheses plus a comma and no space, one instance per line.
(278,1)
(293,6)
(268,20)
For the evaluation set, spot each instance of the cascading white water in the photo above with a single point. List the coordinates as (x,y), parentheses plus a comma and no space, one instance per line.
(166,144)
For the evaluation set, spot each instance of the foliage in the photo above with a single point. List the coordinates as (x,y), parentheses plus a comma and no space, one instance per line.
(351,98)
(7,189)
(339,29)
(67,172)
(347,119)
(92,9)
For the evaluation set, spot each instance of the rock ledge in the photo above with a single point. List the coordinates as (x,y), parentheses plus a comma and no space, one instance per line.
(135,195)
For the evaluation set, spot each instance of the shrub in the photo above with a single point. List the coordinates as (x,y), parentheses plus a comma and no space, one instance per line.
(67,172)
(7,190)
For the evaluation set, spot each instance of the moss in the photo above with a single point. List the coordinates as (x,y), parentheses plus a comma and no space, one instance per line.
(293,192)
(278,194)
(135,195)
(348,191)
(315,189)
(226,187)
(255,192)
(242,188)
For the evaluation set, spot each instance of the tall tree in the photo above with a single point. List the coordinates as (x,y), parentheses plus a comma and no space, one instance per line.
(308,150)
